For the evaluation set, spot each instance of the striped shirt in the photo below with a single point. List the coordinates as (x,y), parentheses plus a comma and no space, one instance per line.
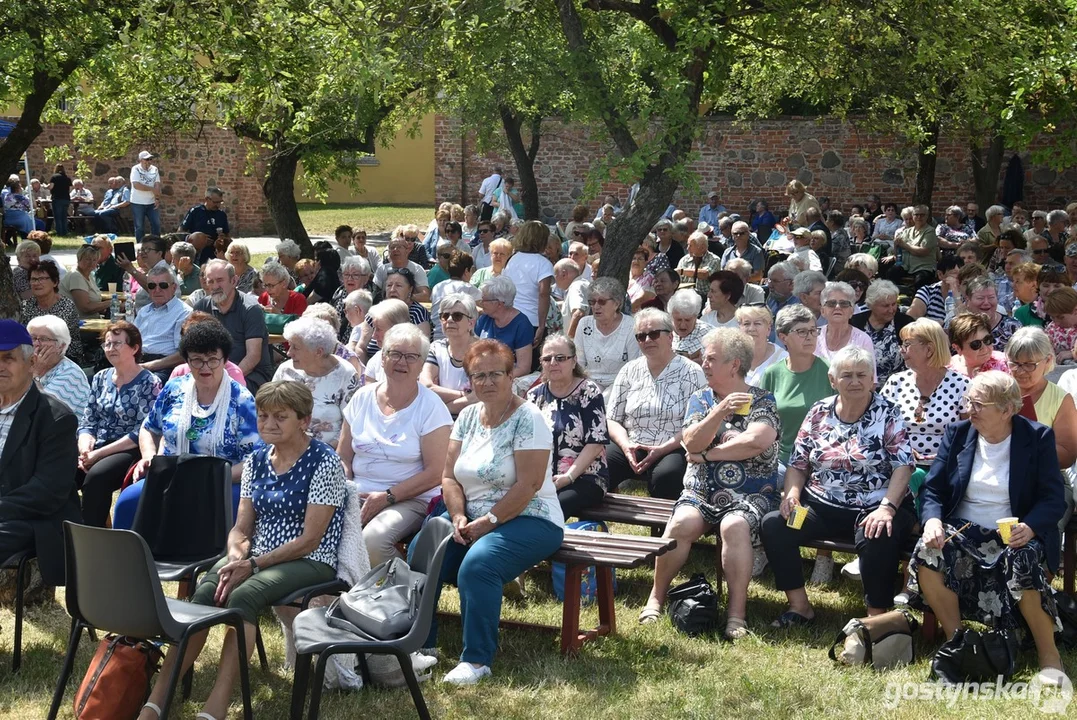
(931,296)
(67,383)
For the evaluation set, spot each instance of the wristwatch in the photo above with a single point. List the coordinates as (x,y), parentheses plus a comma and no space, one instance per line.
(885,502)
(254,567)
(389,497)
(492,518)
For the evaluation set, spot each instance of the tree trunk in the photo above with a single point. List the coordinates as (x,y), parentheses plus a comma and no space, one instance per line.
(625,234)
(28,126)
(10,308)
(925,167)
(279,191)
(524,157)
(986,166)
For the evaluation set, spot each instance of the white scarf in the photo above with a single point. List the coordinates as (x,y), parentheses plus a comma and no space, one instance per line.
(191,409)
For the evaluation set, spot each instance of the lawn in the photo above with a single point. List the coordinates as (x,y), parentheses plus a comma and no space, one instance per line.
(642,672)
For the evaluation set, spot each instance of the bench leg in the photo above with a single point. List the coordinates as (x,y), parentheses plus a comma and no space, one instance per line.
(570,613)
(1069,560)
(929,627)
(607,616)
(718,574)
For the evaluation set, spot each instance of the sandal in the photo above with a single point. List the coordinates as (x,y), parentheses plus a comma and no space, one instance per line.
(735,628)
(153,706)
(649,615)
(790,619)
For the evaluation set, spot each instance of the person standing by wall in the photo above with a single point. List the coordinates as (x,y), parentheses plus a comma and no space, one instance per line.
(146,195)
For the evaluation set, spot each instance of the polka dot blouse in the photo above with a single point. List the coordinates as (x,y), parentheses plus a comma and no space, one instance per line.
(280,501)
(926,420)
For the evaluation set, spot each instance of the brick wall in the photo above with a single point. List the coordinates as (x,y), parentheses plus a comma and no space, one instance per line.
(188,166)
(833,158)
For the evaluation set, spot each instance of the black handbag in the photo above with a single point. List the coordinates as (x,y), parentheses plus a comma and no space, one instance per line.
(972,656)
(693,606)
(1067,613)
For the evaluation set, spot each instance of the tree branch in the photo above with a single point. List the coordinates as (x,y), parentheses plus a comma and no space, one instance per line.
(536,137)
(646,13)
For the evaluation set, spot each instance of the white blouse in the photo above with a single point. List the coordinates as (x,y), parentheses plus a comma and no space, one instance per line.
(603,355)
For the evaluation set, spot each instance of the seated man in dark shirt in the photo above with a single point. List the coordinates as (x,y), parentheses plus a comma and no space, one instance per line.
(38,459)
(208,217)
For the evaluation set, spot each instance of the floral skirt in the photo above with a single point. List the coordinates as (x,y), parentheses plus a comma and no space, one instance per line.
(987,576)
(723,501)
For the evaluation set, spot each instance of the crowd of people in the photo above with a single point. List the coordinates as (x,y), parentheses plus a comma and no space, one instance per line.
(870,377)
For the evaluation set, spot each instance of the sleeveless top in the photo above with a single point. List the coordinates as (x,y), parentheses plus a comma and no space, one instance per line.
(1046,408)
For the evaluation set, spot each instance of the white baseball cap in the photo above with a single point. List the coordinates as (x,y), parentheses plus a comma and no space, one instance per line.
(146,155)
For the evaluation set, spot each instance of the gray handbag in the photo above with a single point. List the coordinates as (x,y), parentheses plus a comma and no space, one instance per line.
(382,605)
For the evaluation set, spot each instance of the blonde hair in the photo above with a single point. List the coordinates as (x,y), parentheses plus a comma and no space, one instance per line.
(930,333)
(754,312)
(243,250)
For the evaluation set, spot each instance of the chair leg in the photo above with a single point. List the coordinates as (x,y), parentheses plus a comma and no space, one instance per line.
(719,574)
(244,670)
(364,669)
(20,609)
(413,684)
(65,672)
(299,685)
(261,648)
(319,681)
(173,675)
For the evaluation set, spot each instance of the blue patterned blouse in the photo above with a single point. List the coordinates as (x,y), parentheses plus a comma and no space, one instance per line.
(113,412)
(240,432)
(280,501)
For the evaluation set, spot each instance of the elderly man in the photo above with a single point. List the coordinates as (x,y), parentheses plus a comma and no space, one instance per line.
(288,254)
(398,250)
(802,254)
(573,291)
(698,265)
(780,286)
(208,217)
(38,458)
(108,270)
(204,248)
(159,322)
(117,197)
(753,293)
(744,248)
(81,198)
(709,213)
(808,288)
(244,319)
(1056,229)
(577,253)
(151,256)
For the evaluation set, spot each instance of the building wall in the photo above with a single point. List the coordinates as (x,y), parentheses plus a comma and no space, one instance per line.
(833,158)
(188,166)
(403,175)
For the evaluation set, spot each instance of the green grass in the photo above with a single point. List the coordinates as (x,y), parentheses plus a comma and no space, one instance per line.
(322,219)
(641,672)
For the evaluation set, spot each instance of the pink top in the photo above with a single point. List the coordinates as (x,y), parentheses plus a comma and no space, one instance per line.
(230,367)
(1062,338)
(997,361)
(858,338)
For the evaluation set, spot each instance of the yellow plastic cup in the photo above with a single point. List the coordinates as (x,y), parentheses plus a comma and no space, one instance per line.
(744,409)
(1005,527)
(797,517)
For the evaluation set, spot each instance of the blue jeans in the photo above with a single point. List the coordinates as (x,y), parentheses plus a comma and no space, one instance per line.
(481,569)
(146,212)
(123,515)
(59,210)
(103,220)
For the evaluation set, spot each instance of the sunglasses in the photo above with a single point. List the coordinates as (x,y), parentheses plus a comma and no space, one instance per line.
(845,304)
(1043,251)
(154,286)
(550,359)
(652,335)
(485,232)
(444,256)
(454,316)
(921,407)
(978,344)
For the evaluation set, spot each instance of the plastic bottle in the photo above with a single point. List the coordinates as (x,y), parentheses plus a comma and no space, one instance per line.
(129,309)
(950,302)
(114,308)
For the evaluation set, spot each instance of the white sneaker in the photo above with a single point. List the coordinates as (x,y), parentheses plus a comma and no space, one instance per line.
(466,674)
(759,562)
(851,570)
(823,572)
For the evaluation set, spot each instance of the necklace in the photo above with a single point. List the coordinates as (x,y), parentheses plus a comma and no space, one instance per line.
(503,414)
(394,408)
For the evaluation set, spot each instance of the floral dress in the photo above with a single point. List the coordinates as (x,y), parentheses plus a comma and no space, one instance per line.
(746,488)
(576,420)
(1005,329)
(887,344)
(114,412)
(241,422)
(1063,339)
(331,392)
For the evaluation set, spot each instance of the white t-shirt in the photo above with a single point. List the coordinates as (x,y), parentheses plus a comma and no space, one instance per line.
(488,186)
(486,465)
(603,355)
(448,287)
(374,369)
(527,270)
(756,376)
(987,497)
(388,448)
(147,177)
(575,299)
(711,319)
(416,270)
(450,375)
(481,257)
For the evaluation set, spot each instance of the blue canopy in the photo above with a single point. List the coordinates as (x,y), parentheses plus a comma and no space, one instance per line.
(5,128)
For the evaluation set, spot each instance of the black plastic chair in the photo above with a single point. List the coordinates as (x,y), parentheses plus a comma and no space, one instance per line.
(112,585)
(20,563)
(313,636)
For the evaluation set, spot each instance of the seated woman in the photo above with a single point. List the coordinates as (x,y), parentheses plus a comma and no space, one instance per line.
(276,297)
(604,338)
(688,330)
(327,313)
(500,497)
(120,399)
(755,321)
(329,378)
(393,443)
(575,412)
(731,435)
(184,369)
(204,413)
(47,300)
(974,346)
(850,470)
(883,323)
(276,547)
(443,371)
(646,410)
(502,322)
(382,317)
(400,284)
(837,300)
(56,374)
(994,465)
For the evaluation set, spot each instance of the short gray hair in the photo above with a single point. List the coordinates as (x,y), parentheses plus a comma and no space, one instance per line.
(355,262)
(848,357)
(28,246)
(405,333)
(735,346)
(313,333)
(461,300)
(359,299)
(566,265)
(790,316)
(838,288)
(608,287)
(957,210)
(663,223)
(994,211)
(242,249)
(160,269)
(863,260)
(1025,255)
(1031,342)
(999,388)
(1056,216)
(879,290)
(785,268)
(685,302)
(741,267)
(859,222)
(273,270)
(289,247)
(324,311)
(662,318)
(806,281)
(184,249)
(500,288)
(395,311)
(218,263)
(55,326)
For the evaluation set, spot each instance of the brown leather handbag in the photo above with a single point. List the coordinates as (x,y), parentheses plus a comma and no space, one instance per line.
(117,682)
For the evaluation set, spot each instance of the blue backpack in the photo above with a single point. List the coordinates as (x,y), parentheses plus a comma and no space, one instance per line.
(588,584)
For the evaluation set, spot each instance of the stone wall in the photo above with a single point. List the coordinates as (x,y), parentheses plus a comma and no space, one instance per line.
(744,161)
(188,166)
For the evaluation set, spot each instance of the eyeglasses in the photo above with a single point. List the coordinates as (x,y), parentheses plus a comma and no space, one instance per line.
(211,363)
(550,359)
(353,275)
(154,286)
(919,214)
(485,377)
(146,251)
(1040,251)
(599,302)
(979,343)
(740,232)
(805,333)
(1024,367)
(844,304)
(39,278)
(444,256)
(397,356)
(908,344)
(972,406)
(577,233)
(110,344)
(42,340)
(652,335)
(485,231)
(454,316)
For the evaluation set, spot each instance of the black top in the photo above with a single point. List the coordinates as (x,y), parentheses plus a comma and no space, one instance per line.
(61,187)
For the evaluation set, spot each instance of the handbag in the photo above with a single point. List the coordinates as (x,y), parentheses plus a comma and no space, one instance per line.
(382,605)
(117,682)
(972,656)
(275,322)
(693,606)
(882,641)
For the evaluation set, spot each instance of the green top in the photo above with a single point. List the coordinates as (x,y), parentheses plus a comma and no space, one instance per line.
(1025,316)
(795,393)
(479,277)
(108,272)
(925,237)
(190,283)
(435,275)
